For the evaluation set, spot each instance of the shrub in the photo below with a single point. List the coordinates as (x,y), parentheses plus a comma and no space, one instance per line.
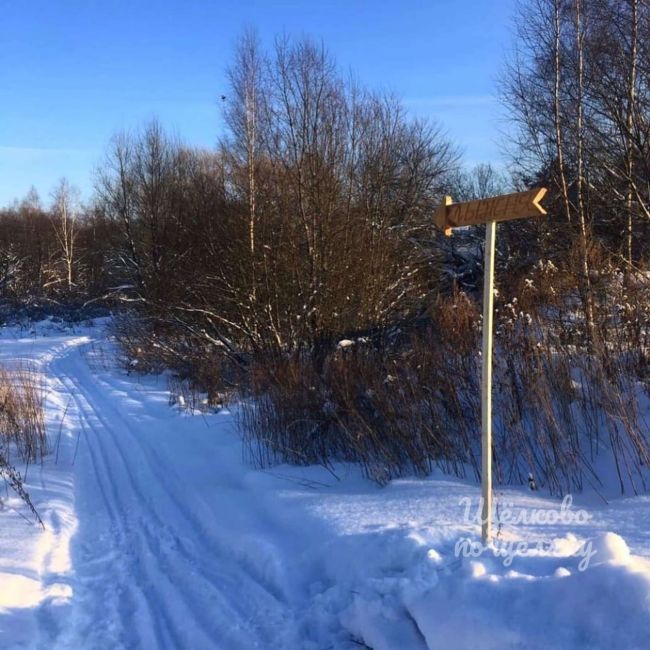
(198,367)
(22,427)
(21,413)
(402,404)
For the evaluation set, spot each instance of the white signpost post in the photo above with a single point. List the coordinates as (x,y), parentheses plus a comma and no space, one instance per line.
(488,211)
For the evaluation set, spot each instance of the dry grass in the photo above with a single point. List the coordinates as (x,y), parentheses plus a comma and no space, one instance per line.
(403,404)
(406,399)
(394,407)
(203,377)
(192,396)
(22,427)
(21,413)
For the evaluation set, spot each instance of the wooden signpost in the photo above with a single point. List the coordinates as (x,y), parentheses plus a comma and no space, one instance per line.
(470,213)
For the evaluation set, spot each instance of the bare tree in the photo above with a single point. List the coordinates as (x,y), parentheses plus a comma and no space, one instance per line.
(580,168)
(630,114)
(64,216)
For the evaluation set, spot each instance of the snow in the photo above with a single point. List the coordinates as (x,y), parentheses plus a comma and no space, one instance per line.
(159,534)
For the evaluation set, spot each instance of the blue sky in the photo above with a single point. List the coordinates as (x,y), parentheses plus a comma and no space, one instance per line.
(72,72)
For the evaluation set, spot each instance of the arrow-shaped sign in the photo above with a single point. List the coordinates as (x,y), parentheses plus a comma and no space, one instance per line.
(498,208)
(488,211)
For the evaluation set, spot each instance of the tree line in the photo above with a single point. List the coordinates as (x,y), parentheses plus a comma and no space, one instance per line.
(312,218)
(311,222)
(578,93)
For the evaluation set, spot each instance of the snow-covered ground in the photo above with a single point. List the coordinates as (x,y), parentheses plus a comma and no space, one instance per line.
(158,534)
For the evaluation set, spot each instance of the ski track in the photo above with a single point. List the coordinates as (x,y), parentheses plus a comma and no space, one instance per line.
(143,582)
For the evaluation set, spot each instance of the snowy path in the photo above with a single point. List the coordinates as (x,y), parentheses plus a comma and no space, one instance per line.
(151,567)
(158,535)
(154,573)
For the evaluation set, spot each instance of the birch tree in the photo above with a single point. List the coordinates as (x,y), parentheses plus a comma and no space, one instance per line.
(64,217)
